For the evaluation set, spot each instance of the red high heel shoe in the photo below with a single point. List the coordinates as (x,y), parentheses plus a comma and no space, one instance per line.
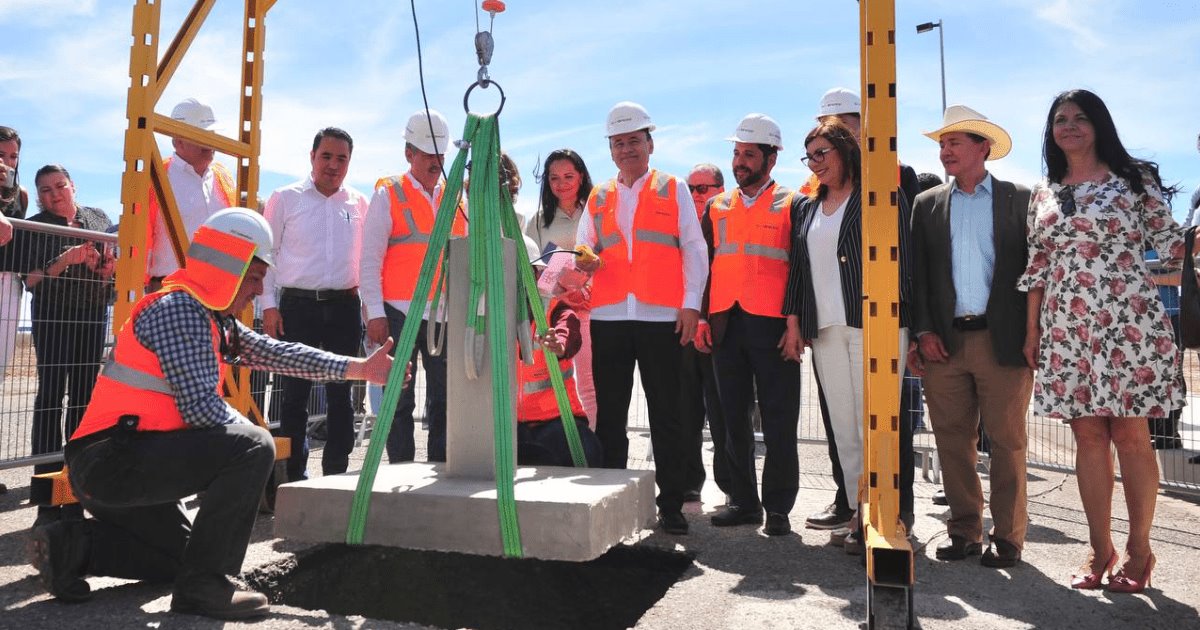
(1093,581)
(1121,583)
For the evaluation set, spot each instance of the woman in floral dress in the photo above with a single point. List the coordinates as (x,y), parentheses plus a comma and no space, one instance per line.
(1098,333)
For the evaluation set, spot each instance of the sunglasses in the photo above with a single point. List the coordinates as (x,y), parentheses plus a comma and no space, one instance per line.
(702,188)
(1066,201)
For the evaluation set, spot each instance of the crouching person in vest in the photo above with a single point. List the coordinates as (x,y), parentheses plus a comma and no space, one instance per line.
(157,430)
(541,437)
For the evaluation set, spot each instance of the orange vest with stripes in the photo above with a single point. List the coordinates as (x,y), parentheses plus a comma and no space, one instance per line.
(750,251)
(132,380)
(654,271)
(535,398)
(224,188)
(412,223)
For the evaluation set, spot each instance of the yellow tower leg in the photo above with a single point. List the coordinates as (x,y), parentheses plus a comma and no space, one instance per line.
(889,554)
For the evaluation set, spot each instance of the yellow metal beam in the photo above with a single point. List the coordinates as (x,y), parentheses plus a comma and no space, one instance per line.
(179,46)
(161,186)
(889,554)
(178,129)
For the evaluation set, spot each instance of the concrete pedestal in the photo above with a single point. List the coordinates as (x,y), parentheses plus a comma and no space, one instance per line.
(564,513)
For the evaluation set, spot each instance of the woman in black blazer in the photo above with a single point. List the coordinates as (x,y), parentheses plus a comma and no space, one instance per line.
(824,301)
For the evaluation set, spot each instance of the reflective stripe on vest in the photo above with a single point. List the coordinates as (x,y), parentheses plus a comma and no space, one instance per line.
(135,378)
(217,258)
(412,223)
(414,235)
(534,387)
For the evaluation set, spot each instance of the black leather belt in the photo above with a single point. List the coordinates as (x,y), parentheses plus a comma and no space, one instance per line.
(319,295)
(970,322)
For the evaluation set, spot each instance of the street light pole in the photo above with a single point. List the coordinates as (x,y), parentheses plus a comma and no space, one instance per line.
(925,28)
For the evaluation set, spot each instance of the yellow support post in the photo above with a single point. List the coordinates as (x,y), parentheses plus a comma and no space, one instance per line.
(889,553)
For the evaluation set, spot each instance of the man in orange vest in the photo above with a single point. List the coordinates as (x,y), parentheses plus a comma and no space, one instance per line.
(541,439)
(646,292)
(395,239)
(157,430)
(698,397)
(749,232)
(201,187)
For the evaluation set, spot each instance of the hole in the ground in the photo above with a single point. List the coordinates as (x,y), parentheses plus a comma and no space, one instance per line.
(453,590)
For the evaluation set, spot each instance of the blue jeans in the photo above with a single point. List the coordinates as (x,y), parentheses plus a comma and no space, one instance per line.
(400,444)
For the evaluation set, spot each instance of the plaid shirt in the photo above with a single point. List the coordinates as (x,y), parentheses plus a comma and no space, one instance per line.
(178,329)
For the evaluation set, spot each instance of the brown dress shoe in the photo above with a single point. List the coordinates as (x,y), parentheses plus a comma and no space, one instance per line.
(215,596)
(1001,554)
(957,548)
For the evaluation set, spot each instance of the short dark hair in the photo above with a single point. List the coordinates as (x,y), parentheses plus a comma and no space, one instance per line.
(767,150)
(928,180)
(332,132)
(845,145)
(51,168)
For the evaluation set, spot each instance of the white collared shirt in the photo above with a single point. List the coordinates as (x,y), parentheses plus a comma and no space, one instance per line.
(374,246)
(197,198)
(318,239)
(691,242)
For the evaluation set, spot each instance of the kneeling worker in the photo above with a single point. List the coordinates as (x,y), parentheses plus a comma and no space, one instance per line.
(157,430)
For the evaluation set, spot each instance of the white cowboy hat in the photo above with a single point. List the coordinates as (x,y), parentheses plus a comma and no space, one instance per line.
(964,119)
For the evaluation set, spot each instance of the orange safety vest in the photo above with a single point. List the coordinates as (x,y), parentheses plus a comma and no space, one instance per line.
(132,380)
(535,398)
(225,189)
(654,272)
(412,223)
(750,251)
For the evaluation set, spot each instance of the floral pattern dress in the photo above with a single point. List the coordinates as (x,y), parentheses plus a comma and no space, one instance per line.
(1107,347)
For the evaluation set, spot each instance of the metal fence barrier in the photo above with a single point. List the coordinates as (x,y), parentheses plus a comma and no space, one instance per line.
(52,341)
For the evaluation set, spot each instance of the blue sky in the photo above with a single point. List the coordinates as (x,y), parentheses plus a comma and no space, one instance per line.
(698,67)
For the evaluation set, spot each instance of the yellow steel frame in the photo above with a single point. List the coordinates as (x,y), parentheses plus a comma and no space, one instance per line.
(889,554)
(144,170)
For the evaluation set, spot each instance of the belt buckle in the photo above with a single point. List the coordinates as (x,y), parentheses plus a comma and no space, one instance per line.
(317,295)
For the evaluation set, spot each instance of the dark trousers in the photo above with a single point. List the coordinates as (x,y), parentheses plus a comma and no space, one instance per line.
(133,483)
(336,326)
(698,399)
(654,347)
(68,347)
(401,446)
(747,360)
(545,444)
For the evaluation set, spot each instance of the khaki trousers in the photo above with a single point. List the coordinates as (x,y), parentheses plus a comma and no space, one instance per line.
(969,388)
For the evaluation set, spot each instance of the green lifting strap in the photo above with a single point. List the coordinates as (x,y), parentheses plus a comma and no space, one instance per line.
(488,222)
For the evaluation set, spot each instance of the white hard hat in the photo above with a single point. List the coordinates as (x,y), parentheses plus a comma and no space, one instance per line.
(758,129)
(839,100)
(247,225)
(533,252)
(194,113)
(417,132)
(627,116)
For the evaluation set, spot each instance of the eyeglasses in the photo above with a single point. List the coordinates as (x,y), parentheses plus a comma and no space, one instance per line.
(702,188)
(1066,200)
(815,158)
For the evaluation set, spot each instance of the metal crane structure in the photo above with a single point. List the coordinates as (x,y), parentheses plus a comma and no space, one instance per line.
(889,558)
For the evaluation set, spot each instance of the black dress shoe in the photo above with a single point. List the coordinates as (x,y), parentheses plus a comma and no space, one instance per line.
(830,518)
(673,522)
(939,497)
(957,548)
(1001,554)
(777,524)
(60,554)
(735,515)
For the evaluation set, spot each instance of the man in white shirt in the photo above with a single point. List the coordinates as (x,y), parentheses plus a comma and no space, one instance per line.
(399,222)
(648,283)
(201,187)
(311,295)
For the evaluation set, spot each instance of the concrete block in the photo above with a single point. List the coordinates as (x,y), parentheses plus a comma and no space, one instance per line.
(564,513)
(470,430)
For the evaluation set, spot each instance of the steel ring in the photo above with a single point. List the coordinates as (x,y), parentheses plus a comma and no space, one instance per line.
(484,85)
